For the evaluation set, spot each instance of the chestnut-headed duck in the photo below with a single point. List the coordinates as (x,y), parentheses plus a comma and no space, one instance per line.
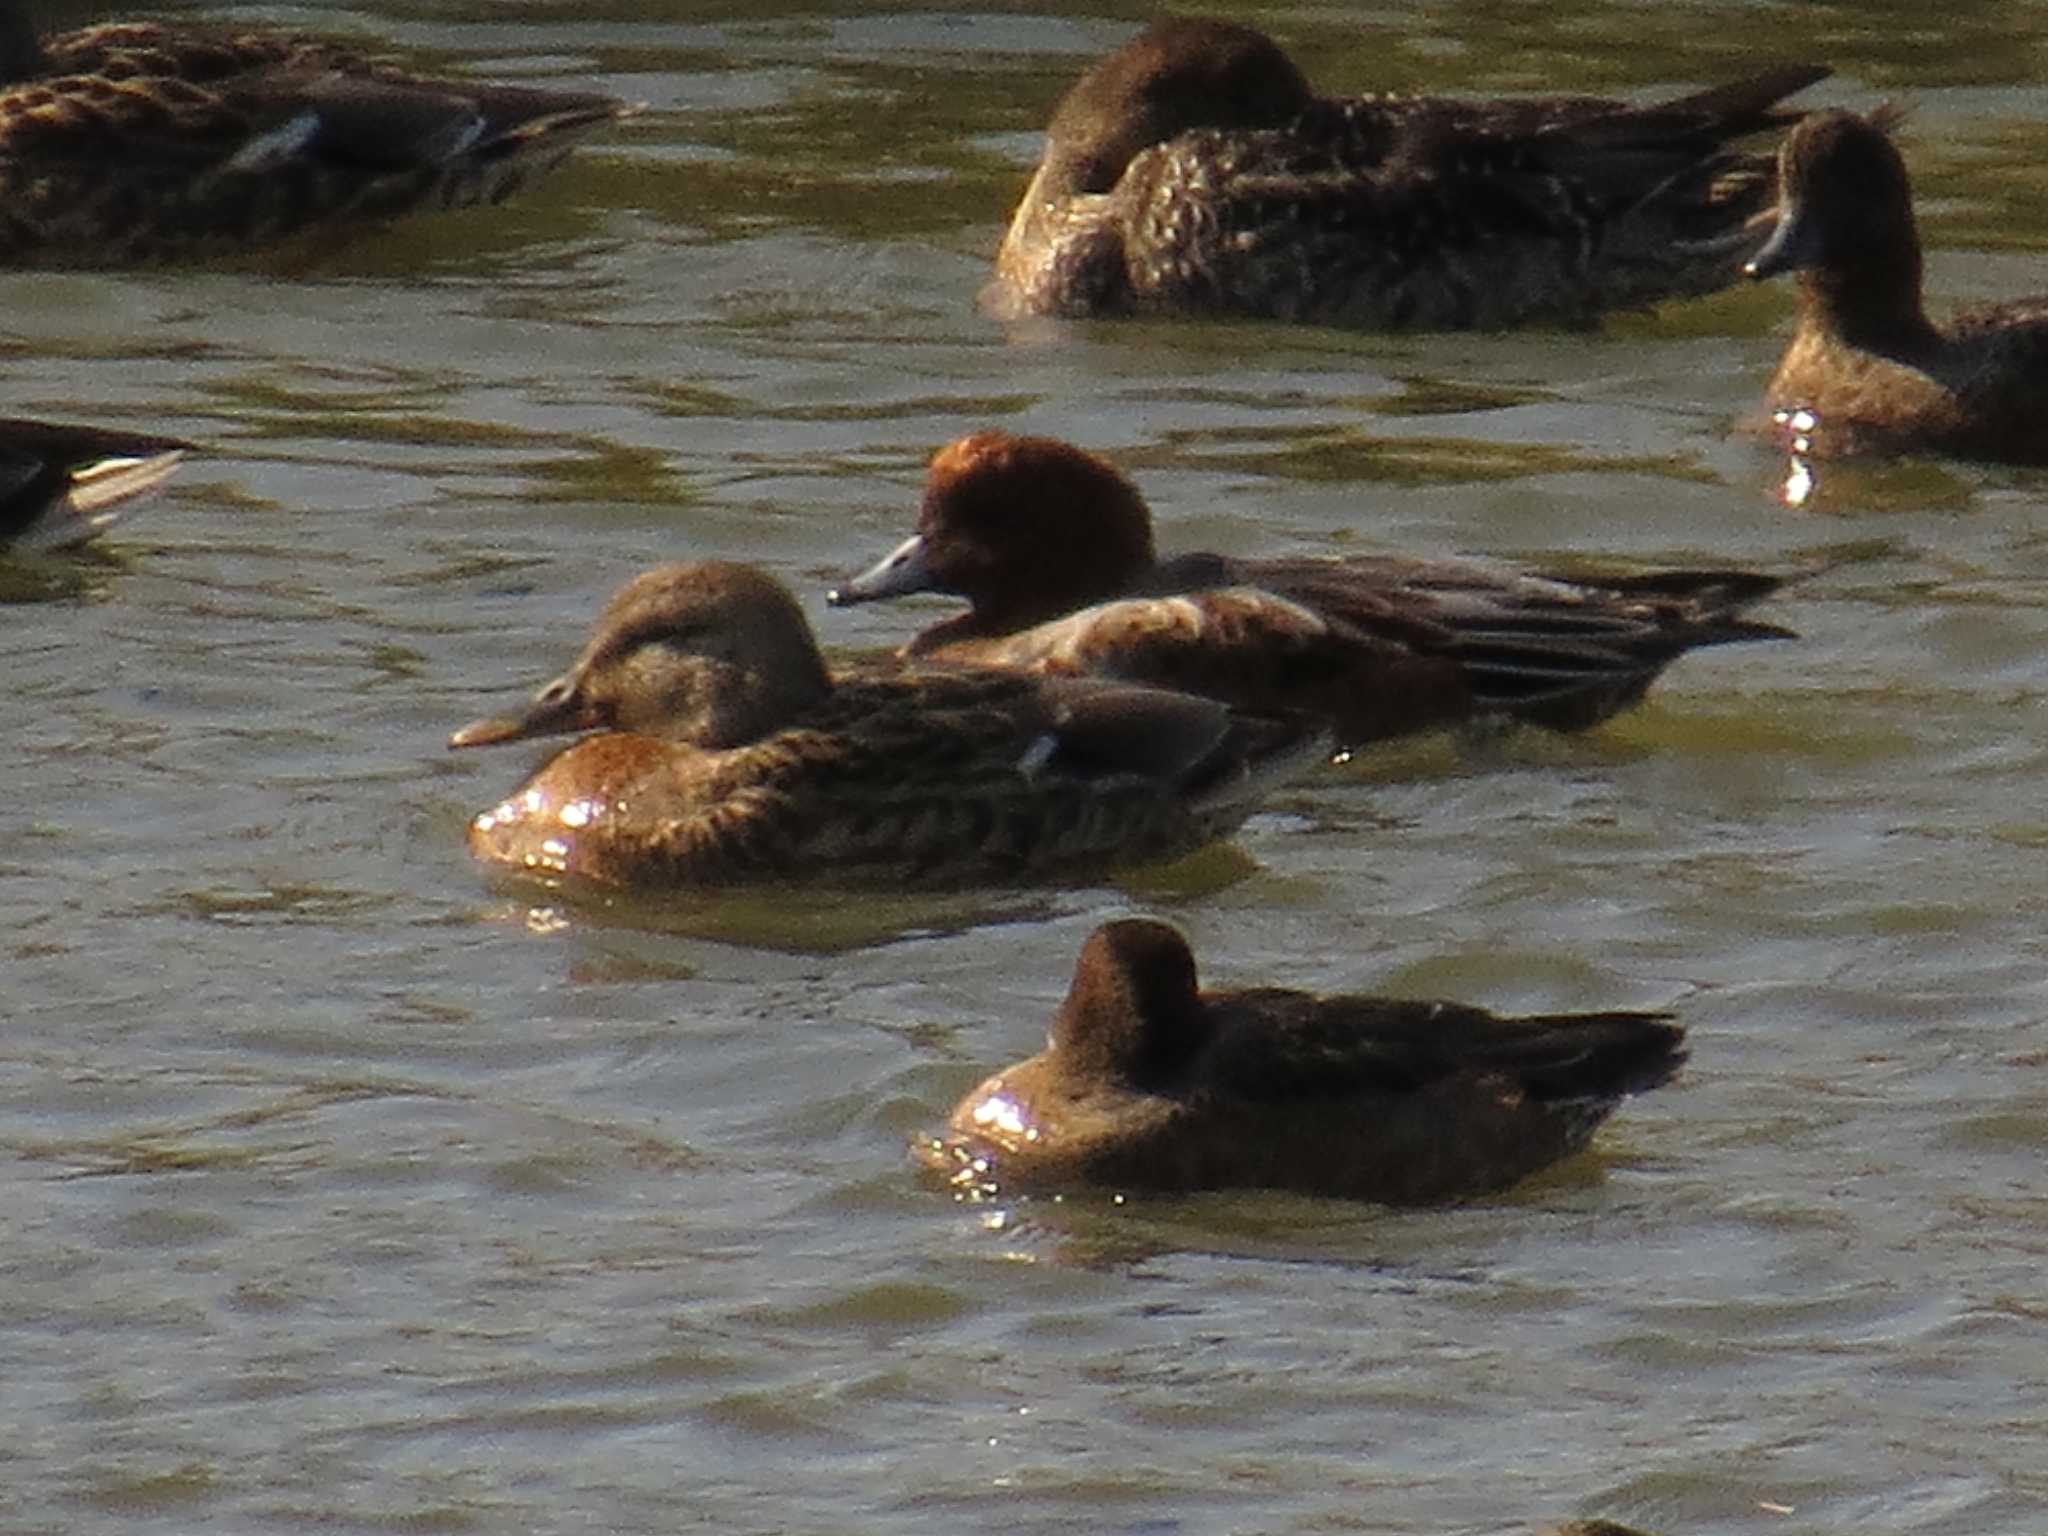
(1866,370)
(60,485)
(1195,172)
(133,142)
(725,752)
(1147,1083)
(1053,548)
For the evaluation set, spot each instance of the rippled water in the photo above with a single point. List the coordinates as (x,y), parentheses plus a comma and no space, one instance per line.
(343,1189)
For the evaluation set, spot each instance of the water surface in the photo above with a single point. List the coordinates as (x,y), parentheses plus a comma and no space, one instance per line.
(346,1189)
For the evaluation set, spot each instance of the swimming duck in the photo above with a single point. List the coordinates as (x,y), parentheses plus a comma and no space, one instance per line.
(1866,369)
(1195,172)
(1148,1083)
(727,752)
(144,141)
(1053,548)
(60,485)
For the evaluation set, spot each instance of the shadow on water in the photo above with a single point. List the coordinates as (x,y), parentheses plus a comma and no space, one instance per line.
(824,919)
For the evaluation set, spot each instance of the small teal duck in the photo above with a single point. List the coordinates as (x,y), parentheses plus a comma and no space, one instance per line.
(727,752)
(1866,370)
(60,485)
(1053,548)
(1195,172)
(1149,1084)
(143,141)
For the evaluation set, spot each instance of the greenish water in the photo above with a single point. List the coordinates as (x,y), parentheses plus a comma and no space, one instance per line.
(345,1189)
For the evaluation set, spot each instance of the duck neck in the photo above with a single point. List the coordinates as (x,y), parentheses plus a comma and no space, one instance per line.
(732,706)
(1872,305)
(970,625)
(1061,577)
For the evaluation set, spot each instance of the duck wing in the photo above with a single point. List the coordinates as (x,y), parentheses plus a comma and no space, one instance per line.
(1274,1045)
(1557,651)
(1209,752)
(1444,214)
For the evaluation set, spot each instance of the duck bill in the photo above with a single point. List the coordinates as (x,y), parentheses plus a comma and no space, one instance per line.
(904,569)
(1792,245)
(557,710)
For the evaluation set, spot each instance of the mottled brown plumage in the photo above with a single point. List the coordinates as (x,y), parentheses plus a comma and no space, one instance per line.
(1866,370)
(60,484)
(141,142)
(1195,172)
(727,753)
(1053,548)
(1148,1083)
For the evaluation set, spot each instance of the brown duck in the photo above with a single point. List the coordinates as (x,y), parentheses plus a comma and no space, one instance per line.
(139,142)
(725,751)
(1053,549)
(1149,1084)
(1866,370)
(1195,172)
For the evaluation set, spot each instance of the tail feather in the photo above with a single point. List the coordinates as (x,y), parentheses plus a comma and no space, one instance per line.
(1747,106)
(1598,1055)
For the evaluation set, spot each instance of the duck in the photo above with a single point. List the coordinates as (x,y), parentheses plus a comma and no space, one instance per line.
(1052,547)
(724,751)
(1866,371)
(1148,1083)
(61,485)
(129,143)
(1195,172)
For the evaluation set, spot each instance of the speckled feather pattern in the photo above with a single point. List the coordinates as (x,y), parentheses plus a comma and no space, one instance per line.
(726,750)
(140,142)
(1245,645)
(927,775)
(1053,548)
(1389,212)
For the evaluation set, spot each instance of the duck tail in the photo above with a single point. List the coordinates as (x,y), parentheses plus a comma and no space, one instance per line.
(1749,106)
(60,485)
(1599,1056)
(518,121)
(1709,604)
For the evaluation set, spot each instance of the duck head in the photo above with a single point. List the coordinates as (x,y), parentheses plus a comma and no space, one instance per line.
(1024,528)
(1845,207)
(703,652)
(1176,75)
(1132,1015)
